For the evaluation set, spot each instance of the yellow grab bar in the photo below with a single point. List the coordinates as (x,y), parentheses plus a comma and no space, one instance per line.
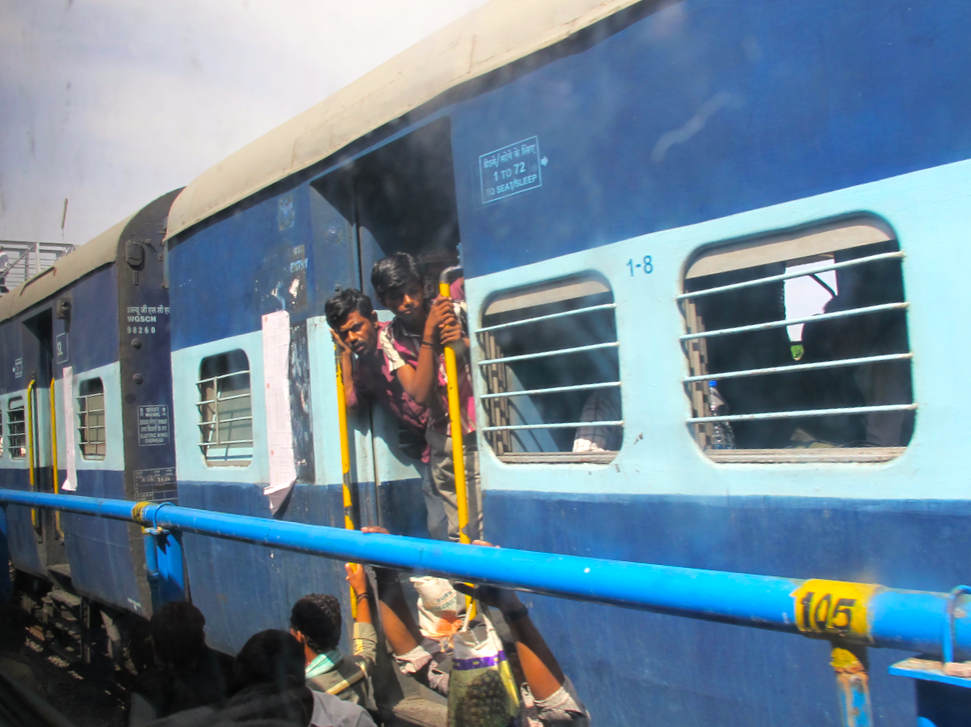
(455,422)
(345,459)
(57,485)
(30,447)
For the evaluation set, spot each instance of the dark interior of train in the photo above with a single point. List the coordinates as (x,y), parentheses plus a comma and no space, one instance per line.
(835,339)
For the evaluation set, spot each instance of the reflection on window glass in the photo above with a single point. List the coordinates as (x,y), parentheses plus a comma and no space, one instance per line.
(16,428)
(797,347)
(225,409)
(91,419)
(552,373)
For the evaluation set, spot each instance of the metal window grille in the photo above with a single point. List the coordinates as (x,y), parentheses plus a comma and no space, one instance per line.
(552,374)
(16,428)
(847,397)
(225,409)
(91,419)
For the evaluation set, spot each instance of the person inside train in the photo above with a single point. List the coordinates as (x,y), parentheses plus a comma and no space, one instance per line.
(269,674)
(548,695)
(187,674)
(13,665)
(355,328)
(315,621)
(413,343)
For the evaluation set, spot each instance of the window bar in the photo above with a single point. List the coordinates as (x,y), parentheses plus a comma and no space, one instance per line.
(226,443)
(801,367)
(794,274)
(793,321)
(551,316)
(800,414)
(237,419)
(545,354)
(553,390)
(557,425)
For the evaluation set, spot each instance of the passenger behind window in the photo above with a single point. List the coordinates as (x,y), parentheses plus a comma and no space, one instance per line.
(367,375)
(548,696)
(413,344)
(315,621)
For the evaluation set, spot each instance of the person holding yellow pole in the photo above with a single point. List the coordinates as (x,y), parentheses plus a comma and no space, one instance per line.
(355,328)
(415,344)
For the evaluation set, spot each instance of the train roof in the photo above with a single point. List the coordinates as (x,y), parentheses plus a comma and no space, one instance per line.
(100,251)
(488,38)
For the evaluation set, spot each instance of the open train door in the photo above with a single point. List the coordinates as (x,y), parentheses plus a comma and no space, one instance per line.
(399,197)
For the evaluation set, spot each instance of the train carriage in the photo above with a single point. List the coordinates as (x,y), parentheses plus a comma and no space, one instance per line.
(636,192)
(91,333)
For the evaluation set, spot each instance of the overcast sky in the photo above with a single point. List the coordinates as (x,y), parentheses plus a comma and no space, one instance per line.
(110,103)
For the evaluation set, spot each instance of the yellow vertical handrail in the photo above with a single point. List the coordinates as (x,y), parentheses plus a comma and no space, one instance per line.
(345,459)
(29,405)
(455,423)
(57,484)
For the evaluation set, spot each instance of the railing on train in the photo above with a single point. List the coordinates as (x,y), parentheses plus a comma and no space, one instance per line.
(853,616)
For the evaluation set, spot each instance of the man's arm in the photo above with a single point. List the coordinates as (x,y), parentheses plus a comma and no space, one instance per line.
(347,371)
(365,637)
(419,381)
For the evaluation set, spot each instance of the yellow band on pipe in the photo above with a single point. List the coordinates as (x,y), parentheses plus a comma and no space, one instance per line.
(345,459)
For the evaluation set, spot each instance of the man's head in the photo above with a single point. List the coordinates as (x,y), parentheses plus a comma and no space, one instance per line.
(352,316)
(178,633)
(398,284)
(270,657)
(316,620)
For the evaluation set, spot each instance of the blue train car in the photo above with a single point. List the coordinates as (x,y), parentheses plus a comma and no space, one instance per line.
(85,393)
(635,190)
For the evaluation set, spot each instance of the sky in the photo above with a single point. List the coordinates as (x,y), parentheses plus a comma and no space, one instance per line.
(111,103)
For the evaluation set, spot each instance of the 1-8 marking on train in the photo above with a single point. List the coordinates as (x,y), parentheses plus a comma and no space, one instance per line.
(646,265)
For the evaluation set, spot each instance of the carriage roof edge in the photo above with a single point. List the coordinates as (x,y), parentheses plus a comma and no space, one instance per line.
(494,35)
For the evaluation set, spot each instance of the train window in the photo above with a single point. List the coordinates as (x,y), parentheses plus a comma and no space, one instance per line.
(91,419)
(552,373)
(226,409)
(16,428)
(797,347)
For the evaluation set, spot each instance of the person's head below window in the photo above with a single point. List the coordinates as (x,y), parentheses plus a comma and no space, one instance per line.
(178,635)
(315,621)
(350,314)
(399,286)
(269,675)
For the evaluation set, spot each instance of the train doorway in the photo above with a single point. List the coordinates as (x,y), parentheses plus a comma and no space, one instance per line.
(38,349)
(397,198)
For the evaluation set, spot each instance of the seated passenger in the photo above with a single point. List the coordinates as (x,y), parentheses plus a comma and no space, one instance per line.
(315,621)
(413,343)
(269,672)
(187,674)
(548,696)
(367,375)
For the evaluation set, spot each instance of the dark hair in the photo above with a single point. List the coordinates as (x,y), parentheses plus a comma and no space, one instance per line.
(318,618)
(394,272)
(178,633)
(270,657)
(341,305)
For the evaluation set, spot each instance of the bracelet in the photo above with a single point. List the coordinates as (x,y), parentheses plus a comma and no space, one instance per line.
(428,343)
(518,615)
(362,595)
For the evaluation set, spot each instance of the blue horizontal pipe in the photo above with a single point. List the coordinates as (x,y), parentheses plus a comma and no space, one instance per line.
(909,620)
